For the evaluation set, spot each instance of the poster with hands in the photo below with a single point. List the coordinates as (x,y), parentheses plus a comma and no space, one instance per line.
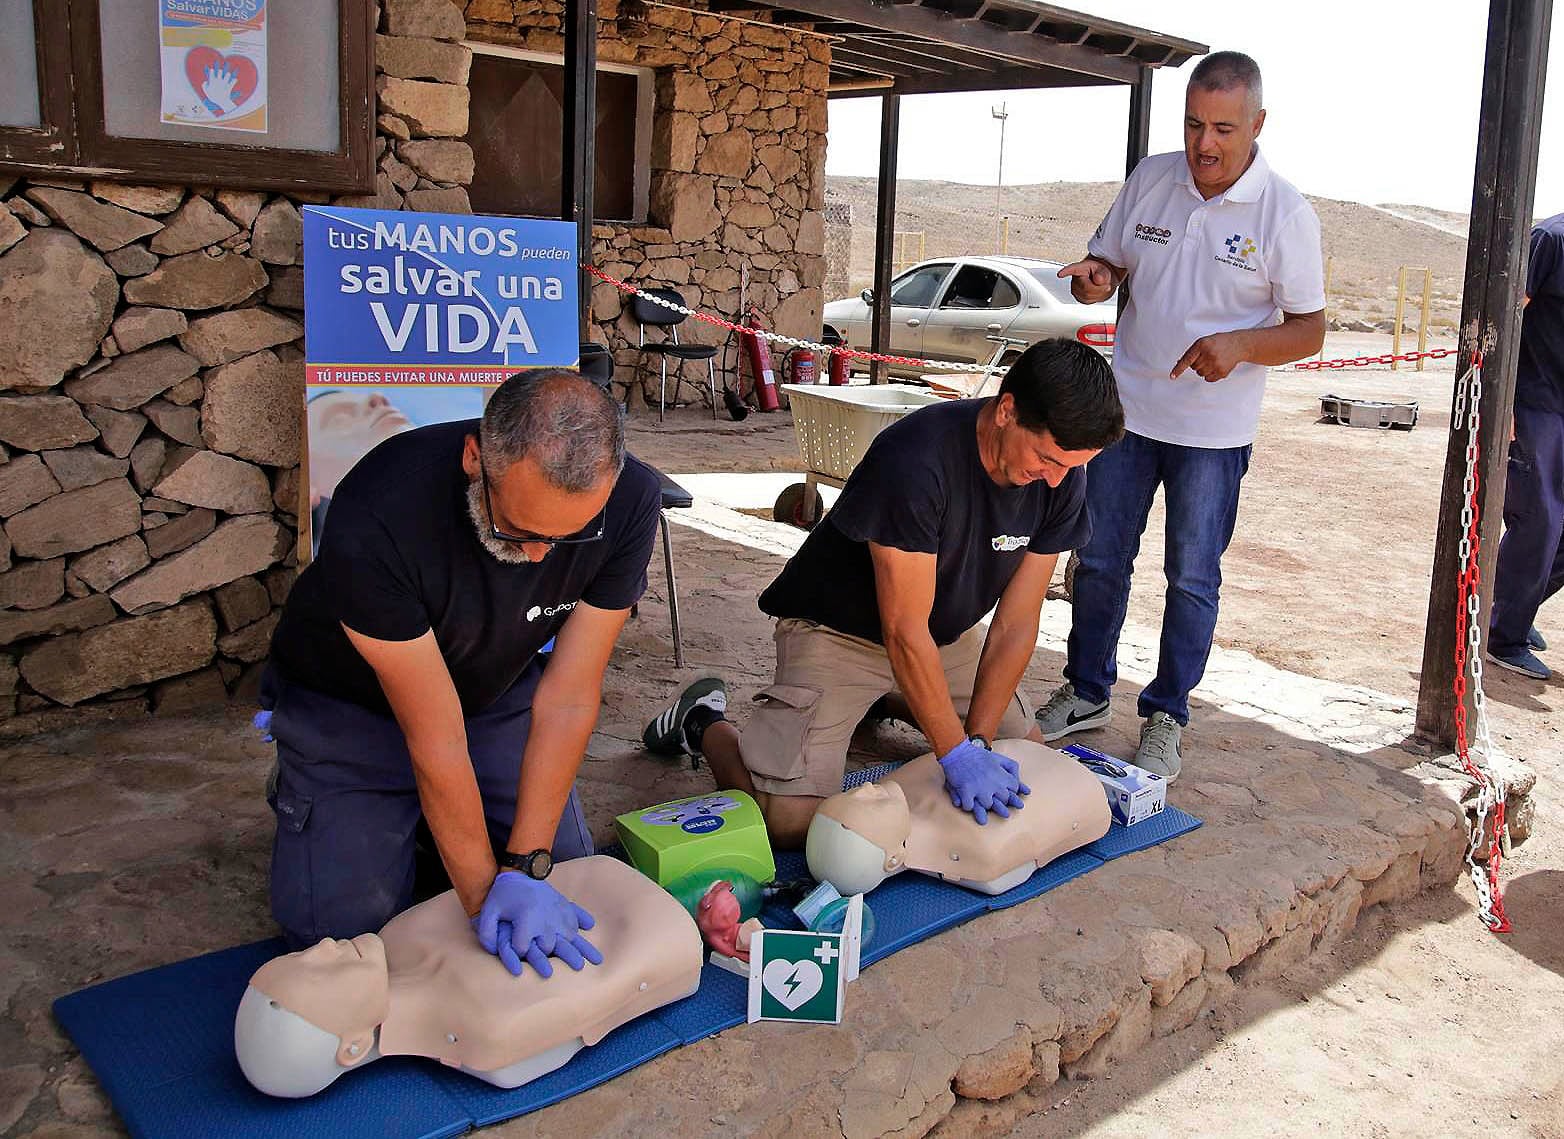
(214,63)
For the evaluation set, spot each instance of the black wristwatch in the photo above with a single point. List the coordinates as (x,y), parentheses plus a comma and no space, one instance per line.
(982,742)
(536,864)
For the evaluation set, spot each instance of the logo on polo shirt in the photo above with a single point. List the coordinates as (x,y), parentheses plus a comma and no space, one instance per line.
(1239,248)
(1152,233)
(553,610)
(1006,543)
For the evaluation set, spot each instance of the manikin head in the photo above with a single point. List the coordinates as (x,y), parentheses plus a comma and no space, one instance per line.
(345,425)
(543,464)
(307,1017)
(1057,407)
(1223,113)
(858,839)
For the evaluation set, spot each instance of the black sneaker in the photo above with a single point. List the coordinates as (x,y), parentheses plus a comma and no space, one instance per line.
(665,734)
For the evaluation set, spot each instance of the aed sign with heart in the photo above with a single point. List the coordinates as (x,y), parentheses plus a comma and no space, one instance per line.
(796,976)
(213,63)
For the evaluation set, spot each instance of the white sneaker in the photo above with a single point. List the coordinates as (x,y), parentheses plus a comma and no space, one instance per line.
(1065,712)
(1158,751)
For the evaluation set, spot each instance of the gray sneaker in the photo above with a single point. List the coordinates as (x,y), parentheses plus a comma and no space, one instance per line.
(1158,751)
(1065,712)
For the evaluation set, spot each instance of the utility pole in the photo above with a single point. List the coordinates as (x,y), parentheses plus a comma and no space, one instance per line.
(1001,114)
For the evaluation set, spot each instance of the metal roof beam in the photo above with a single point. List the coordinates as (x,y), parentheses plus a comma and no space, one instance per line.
(937,27)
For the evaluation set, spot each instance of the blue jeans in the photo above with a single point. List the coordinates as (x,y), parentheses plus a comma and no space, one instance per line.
(347,807)
(1200,485)
(1531,553)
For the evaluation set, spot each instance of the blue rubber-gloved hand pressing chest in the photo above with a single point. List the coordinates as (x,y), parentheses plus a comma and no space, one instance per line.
(982,781)
(524,919)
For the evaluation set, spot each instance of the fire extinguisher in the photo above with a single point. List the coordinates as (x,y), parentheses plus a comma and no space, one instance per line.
(801,366)
(840,366)
(765,387)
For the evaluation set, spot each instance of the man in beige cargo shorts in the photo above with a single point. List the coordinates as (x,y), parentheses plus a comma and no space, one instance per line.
(956,509)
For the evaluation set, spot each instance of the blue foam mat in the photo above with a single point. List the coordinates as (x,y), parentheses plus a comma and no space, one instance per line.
(161,1041)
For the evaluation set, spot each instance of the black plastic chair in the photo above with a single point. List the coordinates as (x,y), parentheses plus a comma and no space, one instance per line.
(596,363)
(649,313)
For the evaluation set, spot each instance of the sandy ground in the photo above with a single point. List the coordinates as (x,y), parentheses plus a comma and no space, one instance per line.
(1419,1022)
(1423,1022)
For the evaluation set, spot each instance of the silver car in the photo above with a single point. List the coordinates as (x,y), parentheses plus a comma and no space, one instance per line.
(946,309)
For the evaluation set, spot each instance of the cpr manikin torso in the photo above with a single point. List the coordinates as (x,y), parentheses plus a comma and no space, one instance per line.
(906,821)
(425,987)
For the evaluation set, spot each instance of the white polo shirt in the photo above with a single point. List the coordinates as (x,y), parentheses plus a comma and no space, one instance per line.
(1236,261)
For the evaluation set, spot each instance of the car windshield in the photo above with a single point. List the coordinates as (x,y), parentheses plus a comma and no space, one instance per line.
(1048,277)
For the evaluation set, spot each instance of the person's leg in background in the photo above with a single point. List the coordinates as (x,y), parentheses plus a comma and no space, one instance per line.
(496,739)
(1529,568)
(1120,485)
(1200,487)
(346,808)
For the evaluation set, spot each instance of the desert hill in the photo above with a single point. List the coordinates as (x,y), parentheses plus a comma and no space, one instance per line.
(1366,244)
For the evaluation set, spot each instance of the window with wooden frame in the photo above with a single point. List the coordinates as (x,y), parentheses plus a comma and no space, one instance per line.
(516,126)
(81,84)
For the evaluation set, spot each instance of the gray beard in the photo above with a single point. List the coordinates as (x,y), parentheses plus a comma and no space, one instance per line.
(506,552)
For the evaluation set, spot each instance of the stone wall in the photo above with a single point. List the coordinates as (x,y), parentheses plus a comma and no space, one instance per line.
(151,394)
(151,351)
(737,164)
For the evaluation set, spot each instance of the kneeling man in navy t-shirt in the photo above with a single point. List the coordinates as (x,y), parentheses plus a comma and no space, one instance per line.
(406,683)
(953,510)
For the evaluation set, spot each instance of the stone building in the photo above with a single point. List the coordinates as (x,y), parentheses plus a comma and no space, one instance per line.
(151,351)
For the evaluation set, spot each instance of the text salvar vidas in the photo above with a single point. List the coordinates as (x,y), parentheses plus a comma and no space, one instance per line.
(453,328)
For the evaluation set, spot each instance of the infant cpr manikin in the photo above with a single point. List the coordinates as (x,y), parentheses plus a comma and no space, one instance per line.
(906,822)
(424,987)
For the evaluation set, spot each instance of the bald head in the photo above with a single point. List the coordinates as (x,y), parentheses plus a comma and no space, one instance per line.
(569,427)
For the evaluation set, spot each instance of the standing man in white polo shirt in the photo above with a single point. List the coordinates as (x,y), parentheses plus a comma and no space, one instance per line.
(1224,265)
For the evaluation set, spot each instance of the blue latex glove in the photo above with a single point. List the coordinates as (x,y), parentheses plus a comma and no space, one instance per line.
(980,781)
(524,919)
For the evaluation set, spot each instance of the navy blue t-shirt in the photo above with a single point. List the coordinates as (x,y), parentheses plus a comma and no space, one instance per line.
(400,556)
(1539,374)
(922,488)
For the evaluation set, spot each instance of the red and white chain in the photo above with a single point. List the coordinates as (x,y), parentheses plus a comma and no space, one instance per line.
(1370,361)
(791,341)
(1475,747)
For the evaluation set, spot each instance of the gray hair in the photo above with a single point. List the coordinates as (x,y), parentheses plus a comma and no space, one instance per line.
(571,428)
(1225,70)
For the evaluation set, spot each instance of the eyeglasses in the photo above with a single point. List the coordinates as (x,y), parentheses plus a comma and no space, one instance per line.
(590,534)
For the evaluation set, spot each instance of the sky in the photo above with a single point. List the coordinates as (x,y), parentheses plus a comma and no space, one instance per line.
(1369,101)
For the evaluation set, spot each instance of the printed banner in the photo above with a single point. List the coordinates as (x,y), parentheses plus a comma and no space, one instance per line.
(410,319)
(214,63)
(392,297)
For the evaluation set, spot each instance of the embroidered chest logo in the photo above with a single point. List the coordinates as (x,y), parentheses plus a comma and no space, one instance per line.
(1152,233)
(1008,543)
(1239,248)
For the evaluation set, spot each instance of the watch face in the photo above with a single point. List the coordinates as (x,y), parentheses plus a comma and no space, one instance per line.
(539,864)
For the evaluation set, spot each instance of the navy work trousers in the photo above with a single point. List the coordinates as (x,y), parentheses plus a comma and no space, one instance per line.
(347,806)
(1531,553)
(1200,485)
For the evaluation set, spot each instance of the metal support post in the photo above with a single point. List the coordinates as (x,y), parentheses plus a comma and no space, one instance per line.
(1503,183)
(884,234)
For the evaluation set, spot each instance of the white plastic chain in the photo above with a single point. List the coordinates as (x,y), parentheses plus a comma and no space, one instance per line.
(795,342)
(1490,789)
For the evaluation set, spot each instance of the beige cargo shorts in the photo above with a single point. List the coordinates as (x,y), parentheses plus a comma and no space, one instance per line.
(795,742)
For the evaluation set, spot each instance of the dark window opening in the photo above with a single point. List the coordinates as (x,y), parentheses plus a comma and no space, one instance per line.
(515,126)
